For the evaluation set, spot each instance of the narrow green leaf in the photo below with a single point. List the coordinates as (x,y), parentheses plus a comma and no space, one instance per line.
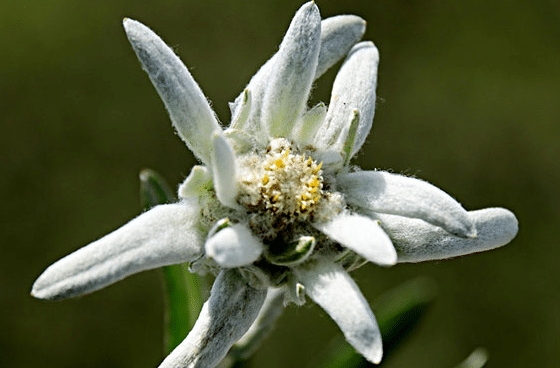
(183,297)
(397,312)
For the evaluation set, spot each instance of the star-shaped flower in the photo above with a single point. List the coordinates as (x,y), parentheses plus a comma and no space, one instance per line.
(275,207)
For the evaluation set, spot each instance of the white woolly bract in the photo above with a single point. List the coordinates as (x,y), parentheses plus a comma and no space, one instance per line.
(225,317)
(166,234)
(335,291)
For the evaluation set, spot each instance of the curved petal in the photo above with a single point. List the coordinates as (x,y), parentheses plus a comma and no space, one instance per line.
(167,234)
(353,89)
(262,327)
(418,241)
(335,291)
(293,72)
(188,108)
(234,246)
(198,181)
(224,169)
(383,192)
(362,235)
(309,123)
(338,35)
(225,317)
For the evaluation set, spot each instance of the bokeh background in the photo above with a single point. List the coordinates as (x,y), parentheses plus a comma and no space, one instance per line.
(469,99)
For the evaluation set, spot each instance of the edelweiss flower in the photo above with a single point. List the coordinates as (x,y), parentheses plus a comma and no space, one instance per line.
(275,207)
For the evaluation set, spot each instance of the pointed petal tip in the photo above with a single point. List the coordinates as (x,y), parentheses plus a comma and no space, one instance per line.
(335,291)
(130,25)
(376,354)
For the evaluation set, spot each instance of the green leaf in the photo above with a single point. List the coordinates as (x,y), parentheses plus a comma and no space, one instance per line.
(183,297)
(397,312)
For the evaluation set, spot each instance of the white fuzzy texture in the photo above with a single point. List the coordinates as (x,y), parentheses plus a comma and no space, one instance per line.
(418,241)
(195,184)
(262,327)
(165,235)
(362,235)
(224,169)
(353,89)
(188,108)
(338,35)
(234,246)
(335,291)
(383,192)
(287,91)
(225,317)
(307,126)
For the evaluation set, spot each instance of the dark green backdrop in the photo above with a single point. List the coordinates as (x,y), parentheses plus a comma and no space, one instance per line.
(468,100)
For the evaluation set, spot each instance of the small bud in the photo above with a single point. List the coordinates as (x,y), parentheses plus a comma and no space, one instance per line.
(291,253)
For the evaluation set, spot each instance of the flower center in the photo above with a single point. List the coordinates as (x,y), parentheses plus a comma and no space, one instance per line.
(283,186)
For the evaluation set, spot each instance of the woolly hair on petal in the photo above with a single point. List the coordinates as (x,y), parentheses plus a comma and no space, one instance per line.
(167,234)
(231,309)
(293,72)
(338,35)
(363,236)
(224,169)
(353,89)
(188,108)
(335,291)
(418,241)
(383,192)
(234,246)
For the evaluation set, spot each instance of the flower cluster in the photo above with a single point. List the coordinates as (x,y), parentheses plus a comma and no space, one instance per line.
(275,208)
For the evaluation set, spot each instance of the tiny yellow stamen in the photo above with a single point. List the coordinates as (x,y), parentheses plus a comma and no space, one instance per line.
(309,162)
(287,152)
(265,179)
(304,197)
(279,163)
(275,198)
(315,183)
(318,168)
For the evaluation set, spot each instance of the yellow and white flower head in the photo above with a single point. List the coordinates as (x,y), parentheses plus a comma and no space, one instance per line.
(274,208)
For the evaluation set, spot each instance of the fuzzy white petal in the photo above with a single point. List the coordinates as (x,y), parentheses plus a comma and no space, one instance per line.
(188,108)
(224,170)
(335,291)
(165,235)
(418,241)
(383,192)
(198,181)
(362,235)
(353,89)
(338,35)
(307,126)
(262,327)
(293,72)
(225,317)
(234,246)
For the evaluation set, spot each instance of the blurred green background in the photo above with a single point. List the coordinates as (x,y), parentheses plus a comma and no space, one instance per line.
(469,99)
